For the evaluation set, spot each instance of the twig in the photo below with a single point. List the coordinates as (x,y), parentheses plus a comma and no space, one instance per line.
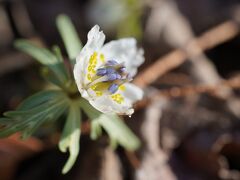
(208,40)
(233,83)
(133,159)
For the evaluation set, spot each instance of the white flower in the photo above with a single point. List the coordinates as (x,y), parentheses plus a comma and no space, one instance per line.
(103,72)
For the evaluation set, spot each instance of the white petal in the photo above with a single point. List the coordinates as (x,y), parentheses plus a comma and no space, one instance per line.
(94,43)
(106,105)
(96,38)
(132,93)
(124,51)
(79,75)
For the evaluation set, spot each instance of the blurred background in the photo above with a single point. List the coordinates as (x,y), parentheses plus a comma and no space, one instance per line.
(189,120)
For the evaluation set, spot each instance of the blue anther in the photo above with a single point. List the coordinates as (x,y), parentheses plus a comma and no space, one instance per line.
(112,77)
(113,88)
(110,70)
(111,63)
(101,71)
(118,76)
(122,69)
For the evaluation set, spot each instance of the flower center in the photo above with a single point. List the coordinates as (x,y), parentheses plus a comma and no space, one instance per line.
(107,78)
(110,76)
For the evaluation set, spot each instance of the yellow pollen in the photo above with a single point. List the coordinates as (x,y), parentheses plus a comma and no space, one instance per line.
(92,66)
(89,68)
(118,98)
(100,88)
(102,58)
(89,77)
(93,87)
(99,93)
(122,88)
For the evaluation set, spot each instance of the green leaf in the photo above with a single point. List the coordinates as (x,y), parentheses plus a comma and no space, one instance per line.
(69,35)
(49,76)
(33,112)
(57,51)
(39,98)
(96,130)
(45,57)
(117,130)
(71,136)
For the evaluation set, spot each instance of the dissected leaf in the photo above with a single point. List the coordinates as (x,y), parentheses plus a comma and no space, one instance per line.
(40,98)
(33,112)
(71,136)
(69,35)
(45,57)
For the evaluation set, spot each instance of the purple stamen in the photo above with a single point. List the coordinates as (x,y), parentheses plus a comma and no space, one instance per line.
(110,70)
(111,63)
(101,71)
(114,73)
(112,77)
(113,88)
(122,69)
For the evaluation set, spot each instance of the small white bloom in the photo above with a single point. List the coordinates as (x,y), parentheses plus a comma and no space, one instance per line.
(103,72)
